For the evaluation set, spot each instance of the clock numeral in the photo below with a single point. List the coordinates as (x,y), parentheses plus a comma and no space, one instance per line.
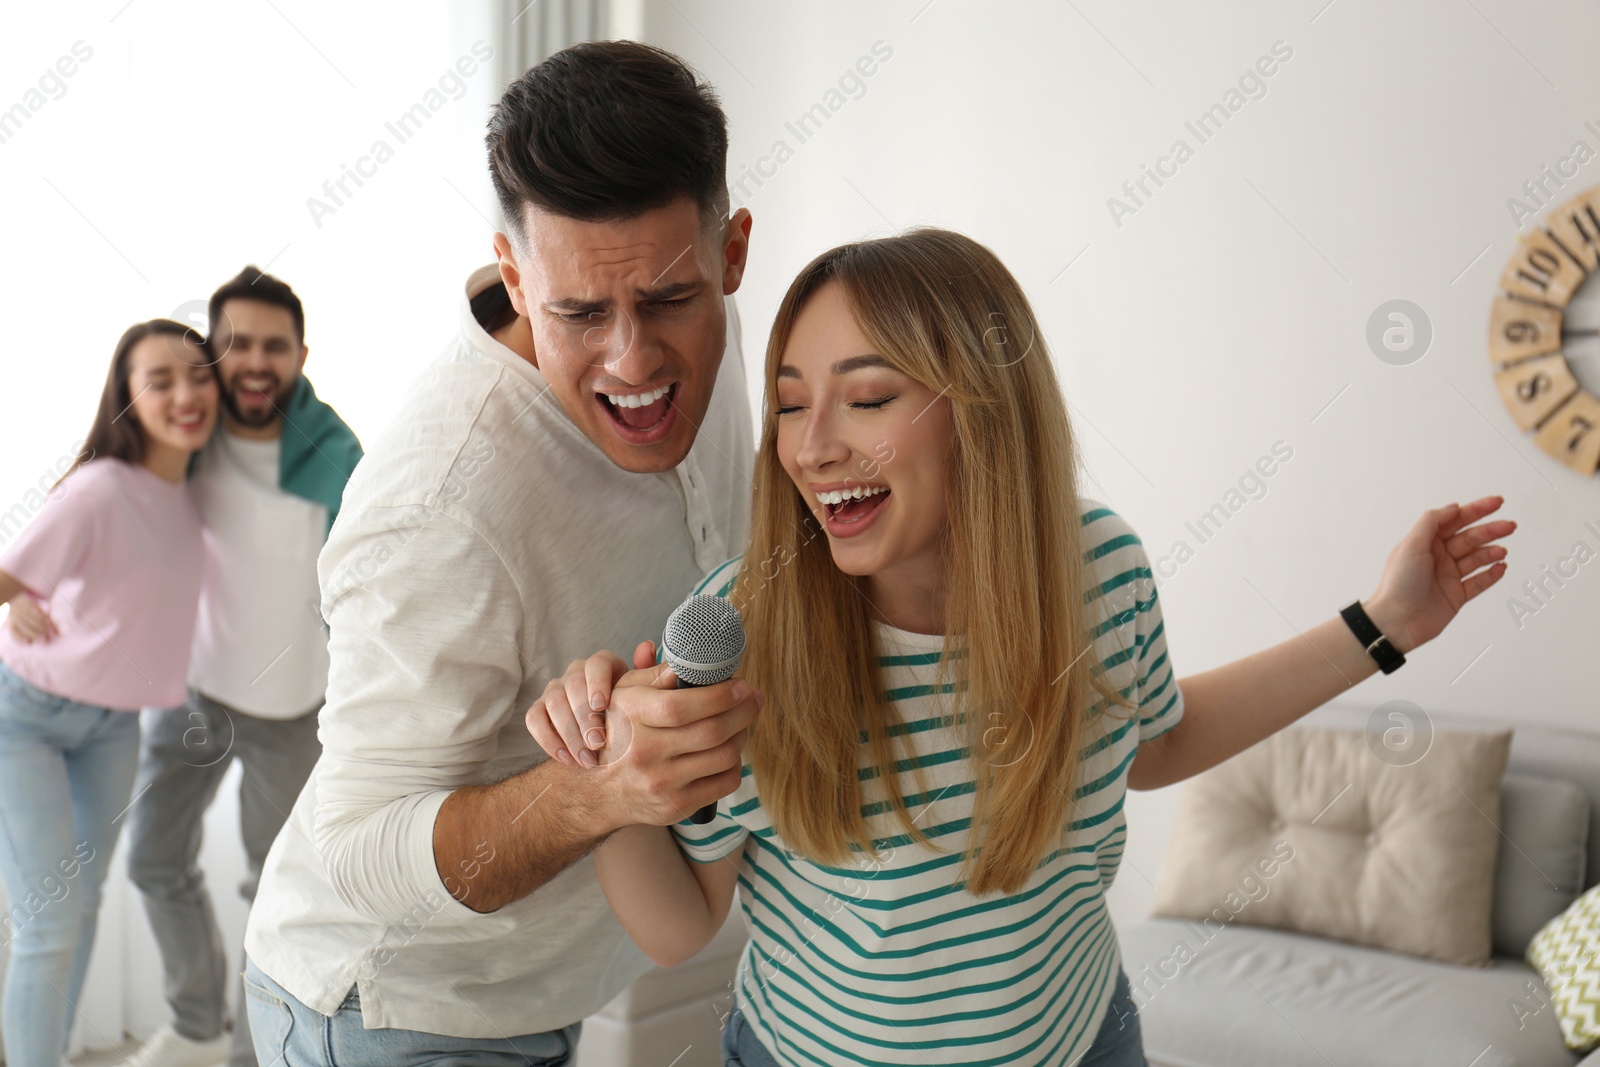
(1534,388)
(1582,426)
(1572,434)
(1529,388)
(1544,266)
(1576,226)
(1519,330)
(1543,271)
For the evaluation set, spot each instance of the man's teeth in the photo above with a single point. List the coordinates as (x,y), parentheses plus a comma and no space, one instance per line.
(638,400)
(860,492)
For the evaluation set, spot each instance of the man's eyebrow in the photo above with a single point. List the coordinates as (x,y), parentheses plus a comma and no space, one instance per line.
(671,290)
(844,366)
(244,339)
(575,306)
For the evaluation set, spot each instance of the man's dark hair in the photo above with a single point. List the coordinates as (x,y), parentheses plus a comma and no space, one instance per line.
(608,130)
(252,284)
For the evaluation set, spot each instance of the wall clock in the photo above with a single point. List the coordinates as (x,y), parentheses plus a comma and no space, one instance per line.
(1526,333)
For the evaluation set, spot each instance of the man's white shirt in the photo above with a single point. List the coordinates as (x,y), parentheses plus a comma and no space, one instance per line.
(483,543)
(259,645)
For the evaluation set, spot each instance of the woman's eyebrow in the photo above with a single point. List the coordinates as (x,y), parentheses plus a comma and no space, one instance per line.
(844,366)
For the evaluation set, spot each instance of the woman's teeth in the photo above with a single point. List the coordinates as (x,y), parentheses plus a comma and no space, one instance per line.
(860,492)
(638,400)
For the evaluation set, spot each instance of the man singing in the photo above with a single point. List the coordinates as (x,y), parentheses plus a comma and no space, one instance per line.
(554,483)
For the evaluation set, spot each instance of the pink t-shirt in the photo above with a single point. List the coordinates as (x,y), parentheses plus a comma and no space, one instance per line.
(115,554)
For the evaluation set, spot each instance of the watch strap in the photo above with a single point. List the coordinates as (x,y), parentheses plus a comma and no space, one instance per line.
(1372,639)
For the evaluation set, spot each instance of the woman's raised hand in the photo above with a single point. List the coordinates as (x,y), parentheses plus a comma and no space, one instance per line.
(1441,563)
(568,721)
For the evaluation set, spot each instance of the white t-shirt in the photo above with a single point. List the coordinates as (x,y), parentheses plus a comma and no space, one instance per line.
(259,646)
(483,544)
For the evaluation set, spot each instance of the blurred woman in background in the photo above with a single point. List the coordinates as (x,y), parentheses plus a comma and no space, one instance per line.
(114,557)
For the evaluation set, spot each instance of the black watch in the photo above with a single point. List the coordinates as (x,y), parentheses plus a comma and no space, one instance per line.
(1377,645)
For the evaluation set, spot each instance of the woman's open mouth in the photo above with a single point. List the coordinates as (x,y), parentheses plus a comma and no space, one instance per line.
(848,512)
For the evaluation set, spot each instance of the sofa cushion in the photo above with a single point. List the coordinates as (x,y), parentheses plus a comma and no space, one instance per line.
(1567,954)
(1239,996)
(1311,831)
(1542,857)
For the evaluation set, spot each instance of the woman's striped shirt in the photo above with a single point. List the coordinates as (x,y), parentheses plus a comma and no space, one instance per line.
(891,961)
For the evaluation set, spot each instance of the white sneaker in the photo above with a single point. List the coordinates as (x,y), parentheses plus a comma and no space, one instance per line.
(168,1048)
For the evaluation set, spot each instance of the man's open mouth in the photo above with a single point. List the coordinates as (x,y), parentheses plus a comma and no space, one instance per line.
(261,389)
(640,411)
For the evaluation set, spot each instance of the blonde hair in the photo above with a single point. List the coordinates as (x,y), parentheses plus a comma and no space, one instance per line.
(942,309)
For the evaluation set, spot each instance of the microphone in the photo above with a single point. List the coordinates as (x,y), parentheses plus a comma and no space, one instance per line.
(704,642)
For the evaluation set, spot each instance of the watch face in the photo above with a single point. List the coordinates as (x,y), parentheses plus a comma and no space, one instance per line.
(1528,326)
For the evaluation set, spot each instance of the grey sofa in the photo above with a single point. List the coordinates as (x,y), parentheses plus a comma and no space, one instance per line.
(1256,997)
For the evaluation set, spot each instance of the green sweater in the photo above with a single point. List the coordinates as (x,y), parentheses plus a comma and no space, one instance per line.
(318,452)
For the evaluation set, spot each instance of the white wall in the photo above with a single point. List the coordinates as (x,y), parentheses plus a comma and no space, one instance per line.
(1230,309)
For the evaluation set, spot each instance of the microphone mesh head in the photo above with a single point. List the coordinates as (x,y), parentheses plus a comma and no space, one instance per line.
(704,640)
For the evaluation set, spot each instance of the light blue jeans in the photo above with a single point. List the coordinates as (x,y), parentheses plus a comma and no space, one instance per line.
(1118,1044)
(66,776)
(289,1034)
(184,753)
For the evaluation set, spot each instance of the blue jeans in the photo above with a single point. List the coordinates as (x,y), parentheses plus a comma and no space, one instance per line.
(66,776)
(289,1034)
(184,753)
(1117,1045)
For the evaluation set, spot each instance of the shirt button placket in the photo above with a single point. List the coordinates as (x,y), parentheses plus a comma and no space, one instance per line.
(700,526)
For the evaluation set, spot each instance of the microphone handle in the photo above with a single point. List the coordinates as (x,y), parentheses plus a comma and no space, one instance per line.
(709,812)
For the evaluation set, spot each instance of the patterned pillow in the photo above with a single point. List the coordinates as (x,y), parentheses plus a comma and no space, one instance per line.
(1566,953)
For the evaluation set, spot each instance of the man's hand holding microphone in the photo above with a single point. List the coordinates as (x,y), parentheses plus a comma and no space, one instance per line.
(670,751)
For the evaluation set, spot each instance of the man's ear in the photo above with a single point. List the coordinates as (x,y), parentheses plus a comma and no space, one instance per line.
(301,366)
(510,273)
(735,250)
